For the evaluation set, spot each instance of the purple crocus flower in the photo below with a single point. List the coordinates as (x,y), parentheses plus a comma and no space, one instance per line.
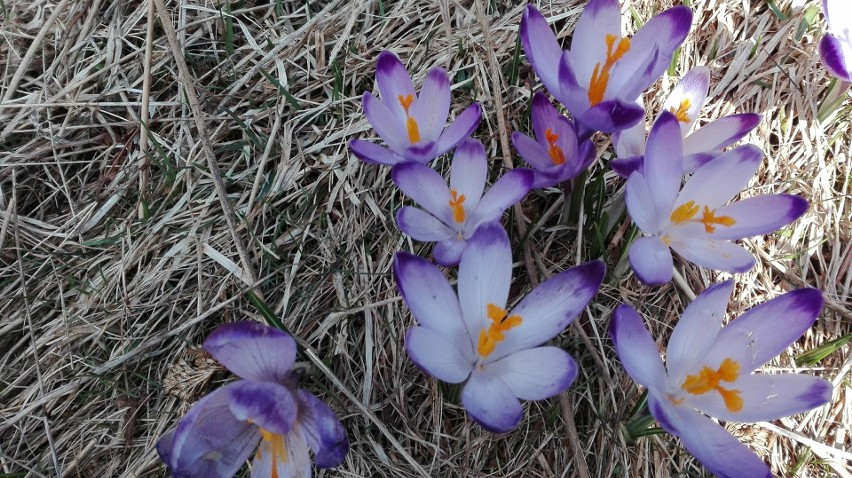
(554,154)
(835,48)
(472,338)
(708,367)
(602,75)
(694,220)
(222,430)
(412,125)
(453,213)
(700,146)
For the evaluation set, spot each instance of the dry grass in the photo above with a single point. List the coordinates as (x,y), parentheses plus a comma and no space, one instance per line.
(117,258)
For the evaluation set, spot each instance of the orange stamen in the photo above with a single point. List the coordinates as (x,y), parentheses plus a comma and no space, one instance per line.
(600,76)
(500,323)
(682,110)
(684,212)
(410,123)
(457,205)
(553,150)
(708,380)
(279,450)
(709,219)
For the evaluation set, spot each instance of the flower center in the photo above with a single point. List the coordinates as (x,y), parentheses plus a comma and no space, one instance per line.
(681,111)
(686,211)
(410,123)
(600,76)
(278,448)
(553,150)
(457,205)
(708,380)
(500,323)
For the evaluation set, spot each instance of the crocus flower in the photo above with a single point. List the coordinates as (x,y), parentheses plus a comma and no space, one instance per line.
(220,432)
(694,221)
(835,48)
(602,75)
(453,213)
(708,367)
(700,146)
(412,125)
(472,337)
(555,153)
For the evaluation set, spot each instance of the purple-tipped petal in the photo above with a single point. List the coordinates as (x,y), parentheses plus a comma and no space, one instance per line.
(393,81)
(390,128)
(427,294)
(719,134)
(588,45)
(759,215)
(253,351)
(422,226)
(268,405)
(835,59)
(469,172)
(461,128)
(624,167)
(636,349)
(663,164)
(766,397)
(551,306)
(373,153)
(718,181)
(433,106)
(541,47)
(651,260)
(689,96)
(508,190)
(765,331)
(323,431)
(609,116)
(209,440)
(426,187)
(712,254)
(697,329)
(531,151)
(665,32)
(491,403)
(485,273)
(448,253)
(691,162)
(528,379)
(436,354)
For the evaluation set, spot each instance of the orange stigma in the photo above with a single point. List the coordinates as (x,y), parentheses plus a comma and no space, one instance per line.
(500,323)
(681,111)
(410,123)
(554,151)
(687,211)
(709,219)
(276,446)
(457,205)
(708,380)
(600,76)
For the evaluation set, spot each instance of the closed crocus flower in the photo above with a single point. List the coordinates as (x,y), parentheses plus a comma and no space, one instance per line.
(600,78)
(472,338)
(411,125)
(835,48)
(700,146)
(221,431)
(708,371)
(451,214)
(555,153)
(695,220)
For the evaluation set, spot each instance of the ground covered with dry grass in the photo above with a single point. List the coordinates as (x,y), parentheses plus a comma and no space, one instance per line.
(143,203)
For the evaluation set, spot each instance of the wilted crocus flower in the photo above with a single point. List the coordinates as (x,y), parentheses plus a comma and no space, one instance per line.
(453,213)
(602,75)
(554,153)
(412,125)
(222,430)
(700,146)
(835,48)
(472,338)
(708,367)
(694,221)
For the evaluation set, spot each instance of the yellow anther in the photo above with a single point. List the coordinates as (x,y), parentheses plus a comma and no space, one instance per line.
(500,323)
(600,76)
(682,110)
(553,150)
(709,219)
(278,447)
(410,123)
(708,380)
(684,212)
(457,205)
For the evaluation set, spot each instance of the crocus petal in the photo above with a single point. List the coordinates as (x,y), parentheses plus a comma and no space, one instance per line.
(612,115)
(491,403)
(531,151)
(720,134)
(485,273)
(588,45)
(253,351)
(283,456)
(268,405)
(767,397)
(759,215)
(388,126)
(765,331)
(696,331)
(693,161)
(436,354)
(551,306)
(448,253)
(714,447)
(663,163)
(323,430)
(508,190)
(834,58)
(525,374)
(422,226)
(664,32)
(426,187)
(651,260)
(624,167)
(433,106)
(636,348)
(712,254)
(394,82)
(543,116)
(688,96)
(630,142)
(373,153)
(719,180)
(209,440)
(541,47)
(469,172)
(640,206)
(427,294)
(461,128)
